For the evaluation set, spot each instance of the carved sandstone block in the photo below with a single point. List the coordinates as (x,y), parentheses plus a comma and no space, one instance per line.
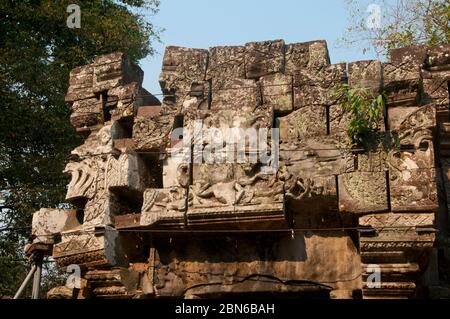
(90,250)
(277,92)
(126,172)
(439,57)
(361,192)
(402,84)
(416,127)
(113,70)
(339,123)
(239,94)
(315,87)
(436,90)
(80,83)
(308,121)
(124,101)
(413,188)
(152,133)
(412,57)
(412,172)
(182,66)
(305,55)
(398,114)
(229,125)
(366,74)
(50,222)
(83,184)
(86,113)
(164,206)
(380,221)
(235,194)
(413,179)
(314,157)
(264,58)
(225,63)
(307,193)
(98,143)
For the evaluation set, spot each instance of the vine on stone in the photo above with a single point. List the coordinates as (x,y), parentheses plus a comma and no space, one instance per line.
(366,113)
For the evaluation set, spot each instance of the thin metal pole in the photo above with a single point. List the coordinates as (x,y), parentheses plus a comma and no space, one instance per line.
(37,278)
(25,282)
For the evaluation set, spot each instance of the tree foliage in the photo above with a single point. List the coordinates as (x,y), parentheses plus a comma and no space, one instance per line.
(37,51)
(401,23)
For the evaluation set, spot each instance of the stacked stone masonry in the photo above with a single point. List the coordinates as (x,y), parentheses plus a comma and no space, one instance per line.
(146,225)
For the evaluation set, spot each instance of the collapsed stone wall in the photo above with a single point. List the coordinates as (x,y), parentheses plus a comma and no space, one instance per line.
(147,225)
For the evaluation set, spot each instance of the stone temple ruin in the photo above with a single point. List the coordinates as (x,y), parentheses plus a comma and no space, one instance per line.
(148,226)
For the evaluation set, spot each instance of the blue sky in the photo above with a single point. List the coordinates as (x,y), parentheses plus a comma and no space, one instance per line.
(203,24)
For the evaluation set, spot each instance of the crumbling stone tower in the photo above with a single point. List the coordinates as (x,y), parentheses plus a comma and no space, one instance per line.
(149,226)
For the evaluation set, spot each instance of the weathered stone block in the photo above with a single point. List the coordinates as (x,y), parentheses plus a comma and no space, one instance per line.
(318,55)
(366,74)
(308,121)
(86,113)
(376,160)
(412,172)
(225,63)
(80,83)
(362,192)
(97,143)
(436,90)
(47,223)
(312,87)
(412,187)
(264,58)
(307,192)
(411,57)
(239,94)
(181,67)
(152,133)
(402,85)
(439,57)
(166,205)
(396,115)
(307,55)
(413,179)
(114,70)
(314,157)
(339,120)
(83,183)
(90,250)
(380,221)
(124,145)
(416,127)
(127,173)
(293,257)
(277,92)
(123,102)
(148,111)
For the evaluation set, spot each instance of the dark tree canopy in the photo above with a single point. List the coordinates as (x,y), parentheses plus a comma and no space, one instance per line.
(37,51)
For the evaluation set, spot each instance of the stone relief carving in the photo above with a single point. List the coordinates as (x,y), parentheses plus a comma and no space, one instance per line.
(84,180)
(126,176)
